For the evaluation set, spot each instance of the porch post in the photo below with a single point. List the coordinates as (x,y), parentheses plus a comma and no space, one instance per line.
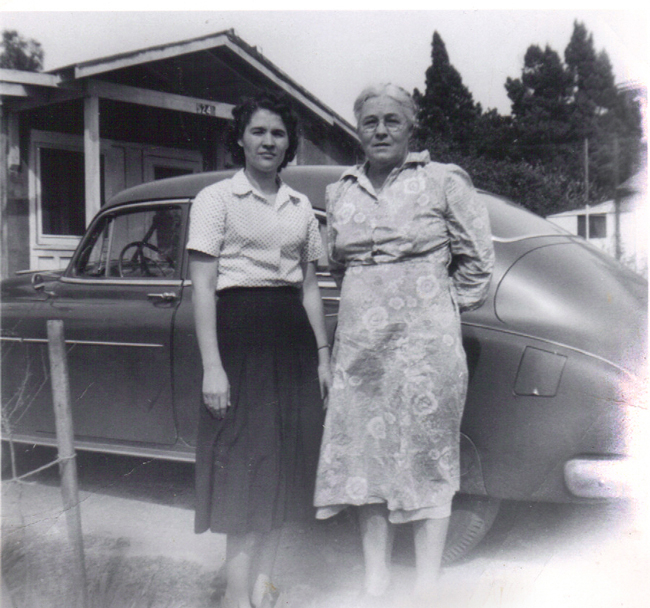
(4,179)
(92,157)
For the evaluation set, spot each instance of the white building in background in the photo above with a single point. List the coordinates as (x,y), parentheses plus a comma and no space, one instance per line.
(624,234)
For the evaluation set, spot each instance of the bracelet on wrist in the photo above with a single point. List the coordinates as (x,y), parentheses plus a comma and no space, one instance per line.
(324,346)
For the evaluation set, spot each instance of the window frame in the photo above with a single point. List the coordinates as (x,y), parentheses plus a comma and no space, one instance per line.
(111,214)
(50,141)
(601,218)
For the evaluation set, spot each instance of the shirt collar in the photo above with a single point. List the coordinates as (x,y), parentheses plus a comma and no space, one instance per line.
(241,186)
(358,172)
(412,158)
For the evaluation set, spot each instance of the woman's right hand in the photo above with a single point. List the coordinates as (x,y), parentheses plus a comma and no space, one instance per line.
(216,391)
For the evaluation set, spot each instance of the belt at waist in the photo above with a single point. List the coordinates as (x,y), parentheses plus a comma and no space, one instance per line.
(431,256)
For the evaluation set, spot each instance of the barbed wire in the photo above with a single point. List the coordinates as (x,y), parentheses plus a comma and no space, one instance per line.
(19,478)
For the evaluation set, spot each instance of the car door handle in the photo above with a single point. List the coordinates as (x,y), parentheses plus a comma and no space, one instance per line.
(166,296)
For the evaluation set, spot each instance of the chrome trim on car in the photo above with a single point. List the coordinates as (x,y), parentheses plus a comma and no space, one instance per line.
(82,342)
(176,452)
(150,282)
(327,284)
(554,343)
(517,239)
(598,477)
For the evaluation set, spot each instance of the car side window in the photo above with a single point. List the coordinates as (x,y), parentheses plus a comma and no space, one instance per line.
(322,266)
(136,243)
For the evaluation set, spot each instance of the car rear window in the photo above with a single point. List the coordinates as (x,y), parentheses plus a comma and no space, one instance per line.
(511,221)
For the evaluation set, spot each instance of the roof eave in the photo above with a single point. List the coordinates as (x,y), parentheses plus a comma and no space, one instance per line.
(227,39)
(22,77)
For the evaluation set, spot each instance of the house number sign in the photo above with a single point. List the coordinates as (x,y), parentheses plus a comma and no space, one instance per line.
(206,109)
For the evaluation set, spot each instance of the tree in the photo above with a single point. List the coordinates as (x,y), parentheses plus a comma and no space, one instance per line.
(541,106)
(557,107)
(19,53)
(536,155)
(601,114)
(592,80)
(447,111)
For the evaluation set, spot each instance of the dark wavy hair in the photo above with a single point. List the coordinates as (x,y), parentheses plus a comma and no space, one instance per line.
(279,104)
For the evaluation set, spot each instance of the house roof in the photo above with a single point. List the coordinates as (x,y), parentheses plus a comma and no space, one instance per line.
(219,66)
(605,207)
(626,206)
(206,54)
(631,193)
(637,183)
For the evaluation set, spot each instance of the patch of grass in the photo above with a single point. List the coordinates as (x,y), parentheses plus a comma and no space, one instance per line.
(38,576)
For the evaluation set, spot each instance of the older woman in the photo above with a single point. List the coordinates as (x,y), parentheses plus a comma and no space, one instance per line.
(412,246)
(254,241)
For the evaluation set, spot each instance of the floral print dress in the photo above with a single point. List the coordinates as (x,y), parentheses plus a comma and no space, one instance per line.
(392,430)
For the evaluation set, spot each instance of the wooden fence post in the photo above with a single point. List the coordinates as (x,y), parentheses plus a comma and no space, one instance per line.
(68,464)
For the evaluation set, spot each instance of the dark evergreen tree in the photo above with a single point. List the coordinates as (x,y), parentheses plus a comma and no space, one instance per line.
(447,112)
(592,80)
(19,53)
(601,115)
(536,155)
(541,107)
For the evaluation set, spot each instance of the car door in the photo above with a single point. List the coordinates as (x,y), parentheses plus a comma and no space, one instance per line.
(117,302)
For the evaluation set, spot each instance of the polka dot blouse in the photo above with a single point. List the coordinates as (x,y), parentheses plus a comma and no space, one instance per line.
(258,244)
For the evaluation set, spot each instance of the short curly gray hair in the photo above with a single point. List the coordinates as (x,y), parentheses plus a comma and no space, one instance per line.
(397,93)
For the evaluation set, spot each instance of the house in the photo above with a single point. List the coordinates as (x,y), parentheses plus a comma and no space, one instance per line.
(619,227)
(75,136)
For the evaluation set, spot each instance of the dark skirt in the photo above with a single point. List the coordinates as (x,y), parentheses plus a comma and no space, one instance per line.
(256,468)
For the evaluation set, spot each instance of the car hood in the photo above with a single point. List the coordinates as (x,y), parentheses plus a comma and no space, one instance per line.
(587,301)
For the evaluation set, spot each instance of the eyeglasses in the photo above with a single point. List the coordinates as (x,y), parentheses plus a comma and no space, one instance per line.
(393,125)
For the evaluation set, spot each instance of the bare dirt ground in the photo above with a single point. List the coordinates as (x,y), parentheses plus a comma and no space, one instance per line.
(141,552)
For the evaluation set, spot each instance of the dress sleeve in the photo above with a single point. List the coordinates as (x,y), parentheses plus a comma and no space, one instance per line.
(337,267)
(313,247)
(472,252)
(207,222)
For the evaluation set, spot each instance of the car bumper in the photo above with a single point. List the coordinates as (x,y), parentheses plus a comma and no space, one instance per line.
(600,477)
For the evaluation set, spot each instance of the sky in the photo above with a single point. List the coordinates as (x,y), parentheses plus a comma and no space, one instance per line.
(334,53)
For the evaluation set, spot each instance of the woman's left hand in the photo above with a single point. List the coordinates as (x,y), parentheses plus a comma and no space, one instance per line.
(324,377)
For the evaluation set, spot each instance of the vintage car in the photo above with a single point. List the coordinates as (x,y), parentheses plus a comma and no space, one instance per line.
(556,353)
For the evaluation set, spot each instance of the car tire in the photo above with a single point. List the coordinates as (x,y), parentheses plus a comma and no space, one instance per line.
(471,518)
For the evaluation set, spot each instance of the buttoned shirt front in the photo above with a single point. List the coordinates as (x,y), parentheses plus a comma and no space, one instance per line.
(424,209)
(258,243)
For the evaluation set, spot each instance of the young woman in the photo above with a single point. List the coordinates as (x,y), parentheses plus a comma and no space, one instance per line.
(254,242)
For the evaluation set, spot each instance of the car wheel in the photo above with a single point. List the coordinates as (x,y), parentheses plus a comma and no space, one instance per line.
(471,518)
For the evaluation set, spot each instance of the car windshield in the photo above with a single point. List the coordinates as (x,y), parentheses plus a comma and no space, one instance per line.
(509,221)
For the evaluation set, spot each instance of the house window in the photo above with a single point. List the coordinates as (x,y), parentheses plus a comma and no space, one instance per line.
(165,172)
(597,226)
(172,163)
(62,189)
(62,192)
